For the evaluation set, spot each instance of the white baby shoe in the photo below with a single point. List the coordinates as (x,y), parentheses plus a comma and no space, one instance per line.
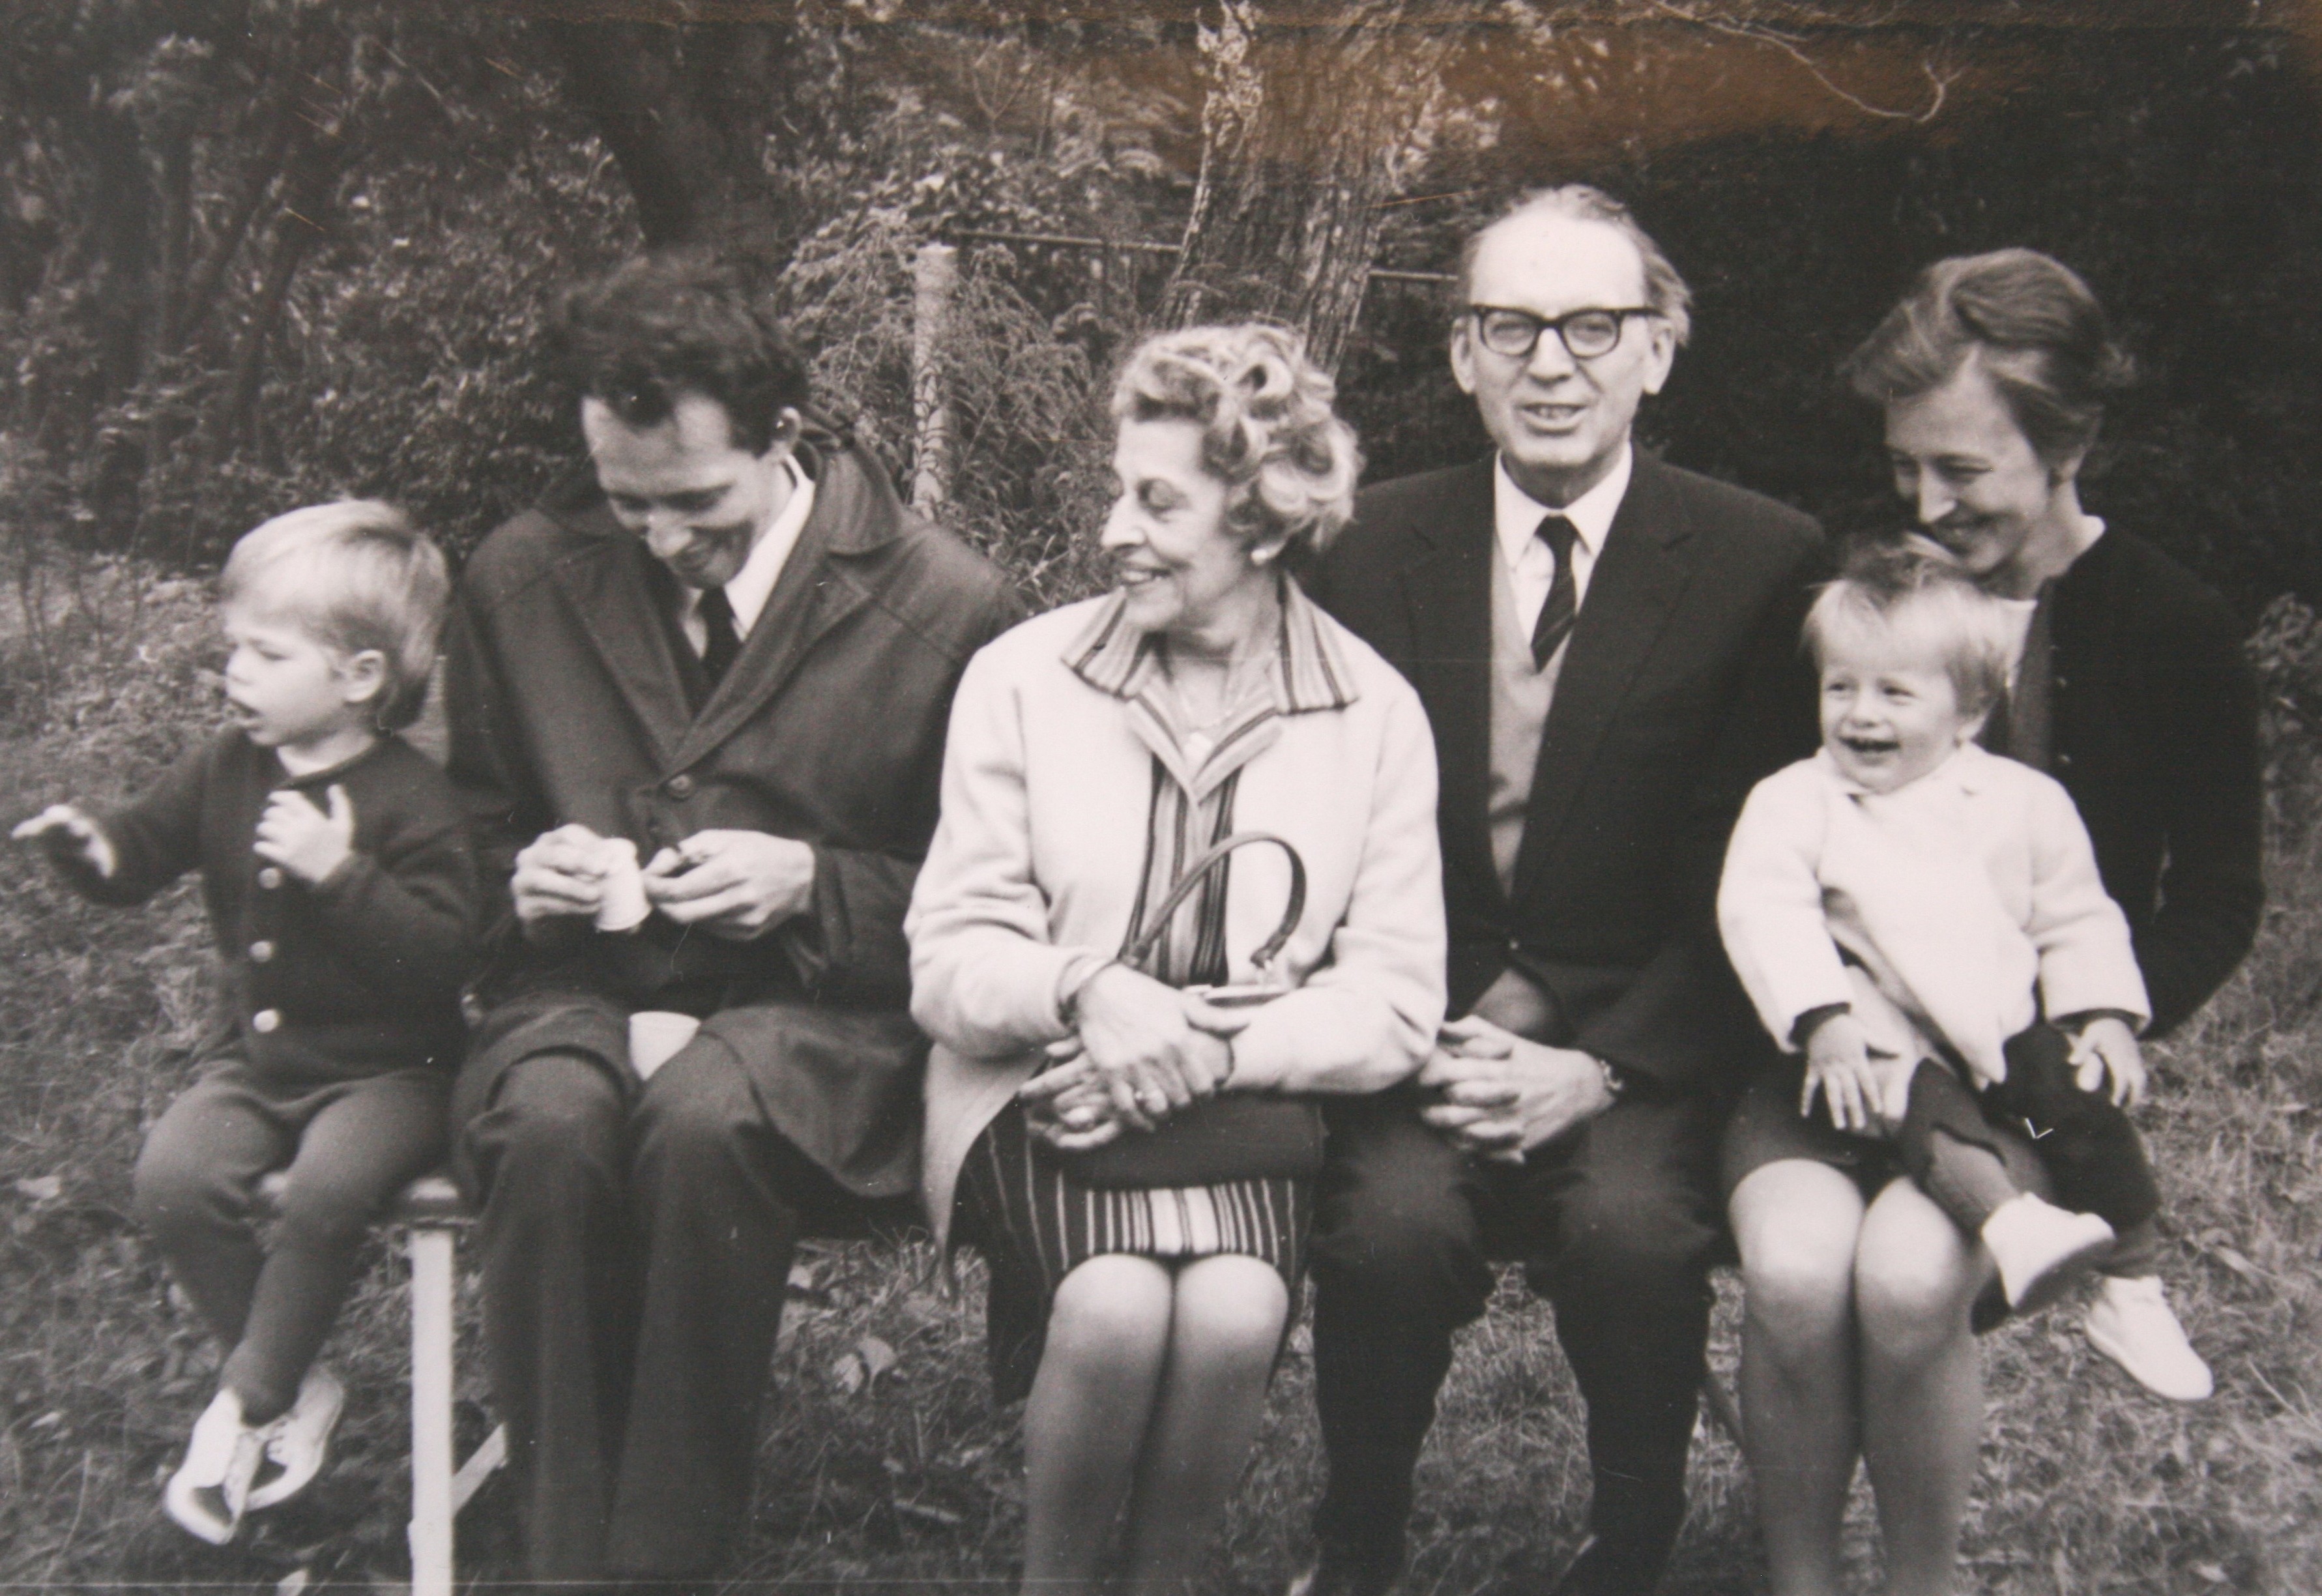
(2039,1246)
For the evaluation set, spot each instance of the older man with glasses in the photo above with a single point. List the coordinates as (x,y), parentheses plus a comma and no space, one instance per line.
(1607,647)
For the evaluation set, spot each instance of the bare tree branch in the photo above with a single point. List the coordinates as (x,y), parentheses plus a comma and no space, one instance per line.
(1793,45)
(1311,122)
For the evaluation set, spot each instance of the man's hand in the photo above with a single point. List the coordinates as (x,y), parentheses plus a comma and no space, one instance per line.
(69,837)
(735,884)
(1142,1043)
(309,841)
(2107,1049)
(1839,1068)
(1500,1096)
(561,874)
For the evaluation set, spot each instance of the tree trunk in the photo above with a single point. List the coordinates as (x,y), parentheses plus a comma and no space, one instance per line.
(310,187)
(124,290)
(124,208)
(1313,115)
(685,112)
(285,80)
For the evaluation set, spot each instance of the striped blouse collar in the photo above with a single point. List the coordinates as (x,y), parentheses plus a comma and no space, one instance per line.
(1310,672)
(1309,675)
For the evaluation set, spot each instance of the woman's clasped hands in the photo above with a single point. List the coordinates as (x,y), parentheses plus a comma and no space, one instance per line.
(1140,1052)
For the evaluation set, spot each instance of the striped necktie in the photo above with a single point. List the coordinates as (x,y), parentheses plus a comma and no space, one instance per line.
(1563,606)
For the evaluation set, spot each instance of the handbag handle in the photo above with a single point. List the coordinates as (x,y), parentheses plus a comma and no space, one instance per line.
(1292,912)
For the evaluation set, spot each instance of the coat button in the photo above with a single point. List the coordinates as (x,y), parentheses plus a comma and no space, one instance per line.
(266,1021)
(680,786)
(269,877)
(261,952)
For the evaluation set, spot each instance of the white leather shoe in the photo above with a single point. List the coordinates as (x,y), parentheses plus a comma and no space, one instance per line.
(208,1494)
(2130,1322)
(299,1441)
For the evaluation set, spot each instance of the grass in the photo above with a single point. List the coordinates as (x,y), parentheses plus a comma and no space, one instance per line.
(886,1466)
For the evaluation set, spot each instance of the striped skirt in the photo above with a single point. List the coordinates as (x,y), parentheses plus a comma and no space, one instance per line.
(1035,1224)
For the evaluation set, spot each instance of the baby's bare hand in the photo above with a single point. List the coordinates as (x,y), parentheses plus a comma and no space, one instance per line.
(1838,1068)
(309,841)
(2106,1055)
(69,837)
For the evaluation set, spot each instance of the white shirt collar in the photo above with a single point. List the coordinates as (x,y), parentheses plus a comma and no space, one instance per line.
(1516,514)
(753,584)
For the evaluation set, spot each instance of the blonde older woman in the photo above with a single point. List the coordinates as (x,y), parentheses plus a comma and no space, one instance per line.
(1095,753)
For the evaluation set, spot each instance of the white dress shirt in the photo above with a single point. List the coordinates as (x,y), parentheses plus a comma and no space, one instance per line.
(1532,565)
(753,584)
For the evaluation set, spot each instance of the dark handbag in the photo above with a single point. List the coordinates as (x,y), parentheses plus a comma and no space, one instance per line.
(1235,1135)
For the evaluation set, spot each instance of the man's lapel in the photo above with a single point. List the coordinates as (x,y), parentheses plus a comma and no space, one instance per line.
(1643,570)
(1447,597)
(814,593)
(610,596)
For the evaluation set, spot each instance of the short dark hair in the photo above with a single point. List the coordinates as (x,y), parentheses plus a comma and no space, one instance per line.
(667,324)
(2040,334)
(1666,289)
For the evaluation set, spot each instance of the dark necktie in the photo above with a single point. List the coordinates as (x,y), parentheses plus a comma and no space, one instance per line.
(722,643)
(1556,615)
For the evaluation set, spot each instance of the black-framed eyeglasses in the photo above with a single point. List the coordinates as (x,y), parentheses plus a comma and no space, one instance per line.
(1586,334)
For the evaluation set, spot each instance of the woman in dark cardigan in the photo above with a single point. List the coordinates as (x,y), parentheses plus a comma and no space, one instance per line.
(2133,691)
(2130,691)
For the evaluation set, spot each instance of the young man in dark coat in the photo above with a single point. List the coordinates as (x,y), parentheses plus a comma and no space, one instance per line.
(1607,647)
(727,652)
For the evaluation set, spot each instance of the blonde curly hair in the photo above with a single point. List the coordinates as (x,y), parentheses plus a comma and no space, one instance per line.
(1267,428)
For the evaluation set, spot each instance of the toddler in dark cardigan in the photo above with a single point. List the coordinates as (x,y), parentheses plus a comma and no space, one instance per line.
(337,876)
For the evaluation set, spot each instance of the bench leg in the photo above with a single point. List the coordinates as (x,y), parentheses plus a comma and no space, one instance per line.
(432,1258)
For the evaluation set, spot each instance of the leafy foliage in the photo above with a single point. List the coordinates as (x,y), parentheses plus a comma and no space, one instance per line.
(258,252)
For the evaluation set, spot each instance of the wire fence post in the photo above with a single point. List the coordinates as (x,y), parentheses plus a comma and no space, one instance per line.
(935,272)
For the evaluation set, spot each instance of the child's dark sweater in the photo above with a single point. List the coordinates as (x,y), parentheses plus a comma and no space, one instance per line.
(358,975)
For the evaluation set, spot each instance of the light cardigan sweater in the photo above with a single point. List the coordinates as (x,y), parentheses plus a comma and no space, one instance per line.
(1047,784)
(1957,909)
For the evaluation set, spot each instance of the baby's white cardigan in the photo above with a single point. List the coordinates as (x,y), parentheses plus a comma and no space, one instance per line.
(1935,911)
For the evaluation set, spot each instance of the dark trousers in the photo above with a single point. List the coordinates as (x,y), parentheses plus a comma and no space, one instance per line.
(1616,1225)
(635,1242)
(2083,1139)
(350,1146)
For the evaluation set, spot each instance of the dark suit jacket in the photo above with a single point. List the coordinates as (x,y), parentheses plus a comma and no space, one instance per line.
(567,703)
(2154,733)
(1682,685)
